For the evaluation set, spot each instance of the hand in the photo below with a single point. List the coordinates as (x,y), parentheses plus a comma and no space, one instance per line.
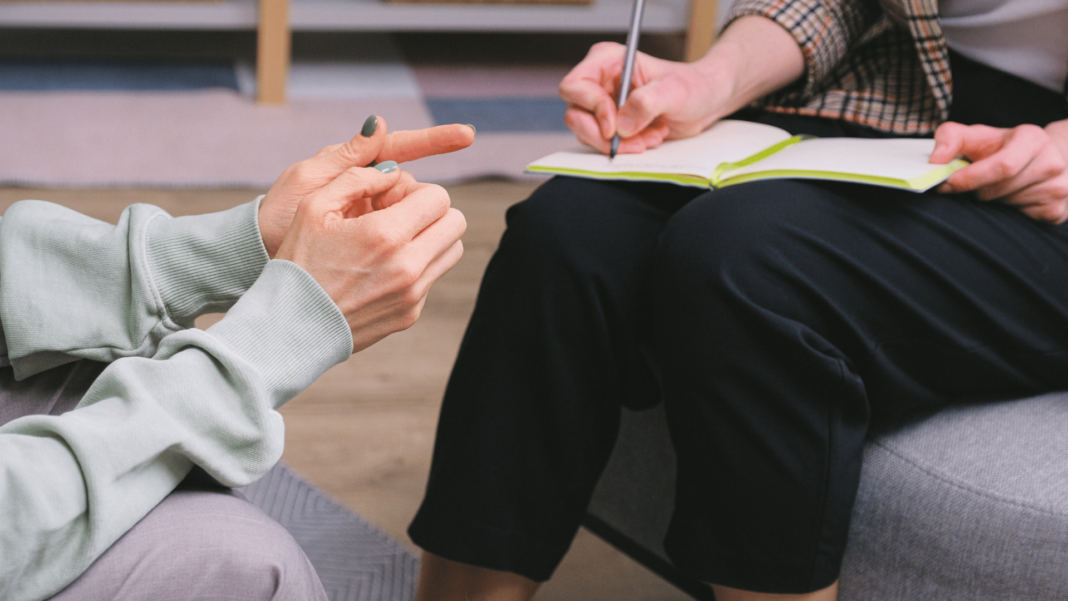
(377,265)
(670,100)
(667,101)
(298,181)
(1024,166)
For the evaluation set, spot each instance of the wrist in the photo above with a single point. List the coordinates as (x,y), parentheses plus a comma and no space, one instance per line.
(754,57)
(1058,133)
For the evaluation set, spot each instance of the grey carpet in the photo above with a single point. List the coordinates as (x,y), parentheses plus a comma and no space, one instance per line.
(355,560)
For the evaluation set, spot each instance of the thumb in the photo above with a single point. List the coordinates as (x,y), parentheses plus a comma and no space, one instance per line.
(973,142)
(643,106)
(357,152)
(949,138)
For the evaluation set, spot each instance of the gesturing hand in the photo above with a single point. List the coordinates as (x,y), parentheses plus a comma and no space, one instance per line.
(376,265)
(1024,166)
(372,144)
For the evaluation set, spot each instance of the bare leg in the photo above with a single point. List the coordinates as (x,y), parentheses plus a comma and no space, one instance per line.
(732,594)
(441,579)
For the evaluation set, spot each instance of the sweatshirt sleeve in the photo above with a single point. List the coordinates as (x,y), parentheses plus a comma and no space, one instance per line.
(74,287)
(71,485)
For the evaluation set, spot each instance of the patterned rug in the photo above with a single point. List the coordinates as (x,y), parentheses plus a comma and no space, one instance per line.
(190,123)
(355,561)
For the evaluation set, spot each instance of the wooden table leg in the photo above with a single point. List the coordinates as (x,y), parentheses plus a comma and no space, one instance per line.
(272,52)
(702,29)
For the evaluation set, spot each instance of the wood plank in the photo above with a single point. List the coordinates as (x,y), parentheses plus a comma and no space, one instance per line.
(702,29)
(272,52)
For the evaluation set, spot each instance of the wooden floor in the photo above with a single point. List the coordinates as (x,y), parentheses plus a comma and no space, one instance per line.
(364,432)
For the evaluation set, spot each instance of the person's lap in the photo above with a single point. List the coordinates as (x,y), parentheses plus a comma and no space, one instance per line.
(883,302)
(203,541)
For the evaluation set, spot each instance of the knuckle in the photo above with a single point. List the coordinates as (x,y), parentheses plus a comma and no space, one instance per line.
(381,239)
(299,171)
(1002,167)
(1030,132)
(1045,212)
(405,276)
(460,221)
(409,318)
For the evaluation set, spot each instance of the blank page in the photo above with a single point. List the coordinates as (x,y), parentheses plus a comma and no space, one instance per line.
(728,141)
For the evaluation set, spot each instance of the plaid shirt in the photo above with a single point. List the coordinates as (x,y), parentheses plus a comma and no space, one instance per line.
(883,64)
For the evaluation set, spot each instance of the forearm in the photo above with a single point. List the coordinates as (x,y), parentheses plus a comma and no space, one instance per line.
(753,57)
(71,485)
(74,287)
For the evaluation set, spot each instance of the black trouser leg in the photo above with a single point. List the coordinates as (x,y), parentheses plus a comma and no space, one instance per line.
(553,349)
(791,315)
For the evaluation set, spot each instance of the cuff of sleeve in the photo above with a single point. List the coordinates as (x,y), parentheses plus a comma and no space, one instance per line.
(822,41)
(288,328)
(204,263)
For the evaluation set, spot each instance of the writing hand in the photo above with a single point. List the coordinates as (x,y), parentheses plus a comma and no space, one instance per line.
(1024,166)
(377,266)
(754,57)
(372,144)
(661,106)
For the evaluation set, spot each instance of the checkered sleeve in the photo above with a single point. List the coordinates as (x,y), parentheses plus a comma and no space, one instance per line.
(879,63)
(826,30)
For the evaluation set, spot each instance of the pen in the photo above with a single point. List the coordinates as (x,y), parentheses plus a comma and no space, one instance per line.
(628,62)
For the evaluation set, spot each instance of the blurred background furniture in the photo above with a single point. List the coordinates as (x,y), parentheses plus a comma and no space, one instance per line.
(970,503)
(275,19)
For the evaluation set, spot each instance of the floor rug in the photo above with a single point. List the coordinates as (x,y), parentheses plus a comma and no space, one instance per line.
(355,561)
(116,123)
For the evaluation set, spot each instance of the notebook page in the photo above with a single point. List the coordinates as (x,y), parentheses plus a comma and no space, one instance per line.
(896,158)
(727,141)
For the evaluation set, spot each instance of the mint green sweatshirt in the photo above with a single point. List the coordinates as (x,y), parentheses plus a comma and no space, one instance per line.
(173,396)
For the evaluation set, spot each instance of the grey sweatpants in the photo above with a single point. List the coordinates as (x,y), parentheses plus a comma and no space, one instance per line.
(203,541)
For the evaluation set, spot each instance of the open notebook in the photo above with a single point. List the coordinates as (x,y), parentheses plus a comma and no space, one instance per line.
(732,152)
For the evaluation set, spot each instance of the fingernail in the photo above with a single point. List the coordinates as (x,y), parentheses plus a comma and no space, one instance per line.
(387,167)
(369,126)
(624,125)
(472,128)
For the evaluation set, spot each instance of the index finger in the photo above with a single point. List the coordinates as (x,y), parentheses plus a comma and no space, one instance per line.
(592,97)
(409,145)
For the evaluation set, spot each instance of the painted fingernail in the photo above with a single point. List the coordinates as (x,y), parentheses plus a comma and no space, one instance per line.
(369,126)
(387,167)
(472,128)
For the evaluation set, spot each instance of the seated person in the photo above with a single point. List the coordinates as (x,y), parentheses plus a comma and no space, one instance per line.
(779,321)
(333,258)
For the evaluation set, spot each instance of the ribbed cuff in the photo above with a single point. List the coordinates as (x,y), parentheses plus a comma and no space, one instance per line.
(288,328)
(204,263)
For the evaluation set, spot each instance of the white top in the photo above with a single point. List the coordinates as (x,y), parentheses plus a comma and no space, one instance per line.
(1028,38)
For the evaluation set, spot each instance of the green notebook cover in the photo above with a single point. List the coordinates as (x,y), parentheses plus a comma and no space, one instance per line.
(733,152)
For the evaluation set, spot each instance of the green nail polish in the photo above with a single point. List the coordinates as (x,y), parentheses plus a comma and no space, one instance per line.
(387,167)
(472,128)
(369,126)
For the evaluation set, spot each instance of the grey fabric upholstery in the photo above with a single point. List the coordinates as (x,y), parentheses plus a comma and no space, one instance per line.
(971,503)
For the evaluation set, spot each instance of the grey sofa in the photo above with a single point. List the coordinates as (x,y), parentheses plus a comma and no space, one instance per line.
(968,504)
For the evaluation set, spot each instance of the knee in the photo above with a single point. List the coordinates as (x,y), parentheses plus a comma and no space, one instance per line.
(245,550)
(578,226)
(735,232)
(201,545)
(776,229)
